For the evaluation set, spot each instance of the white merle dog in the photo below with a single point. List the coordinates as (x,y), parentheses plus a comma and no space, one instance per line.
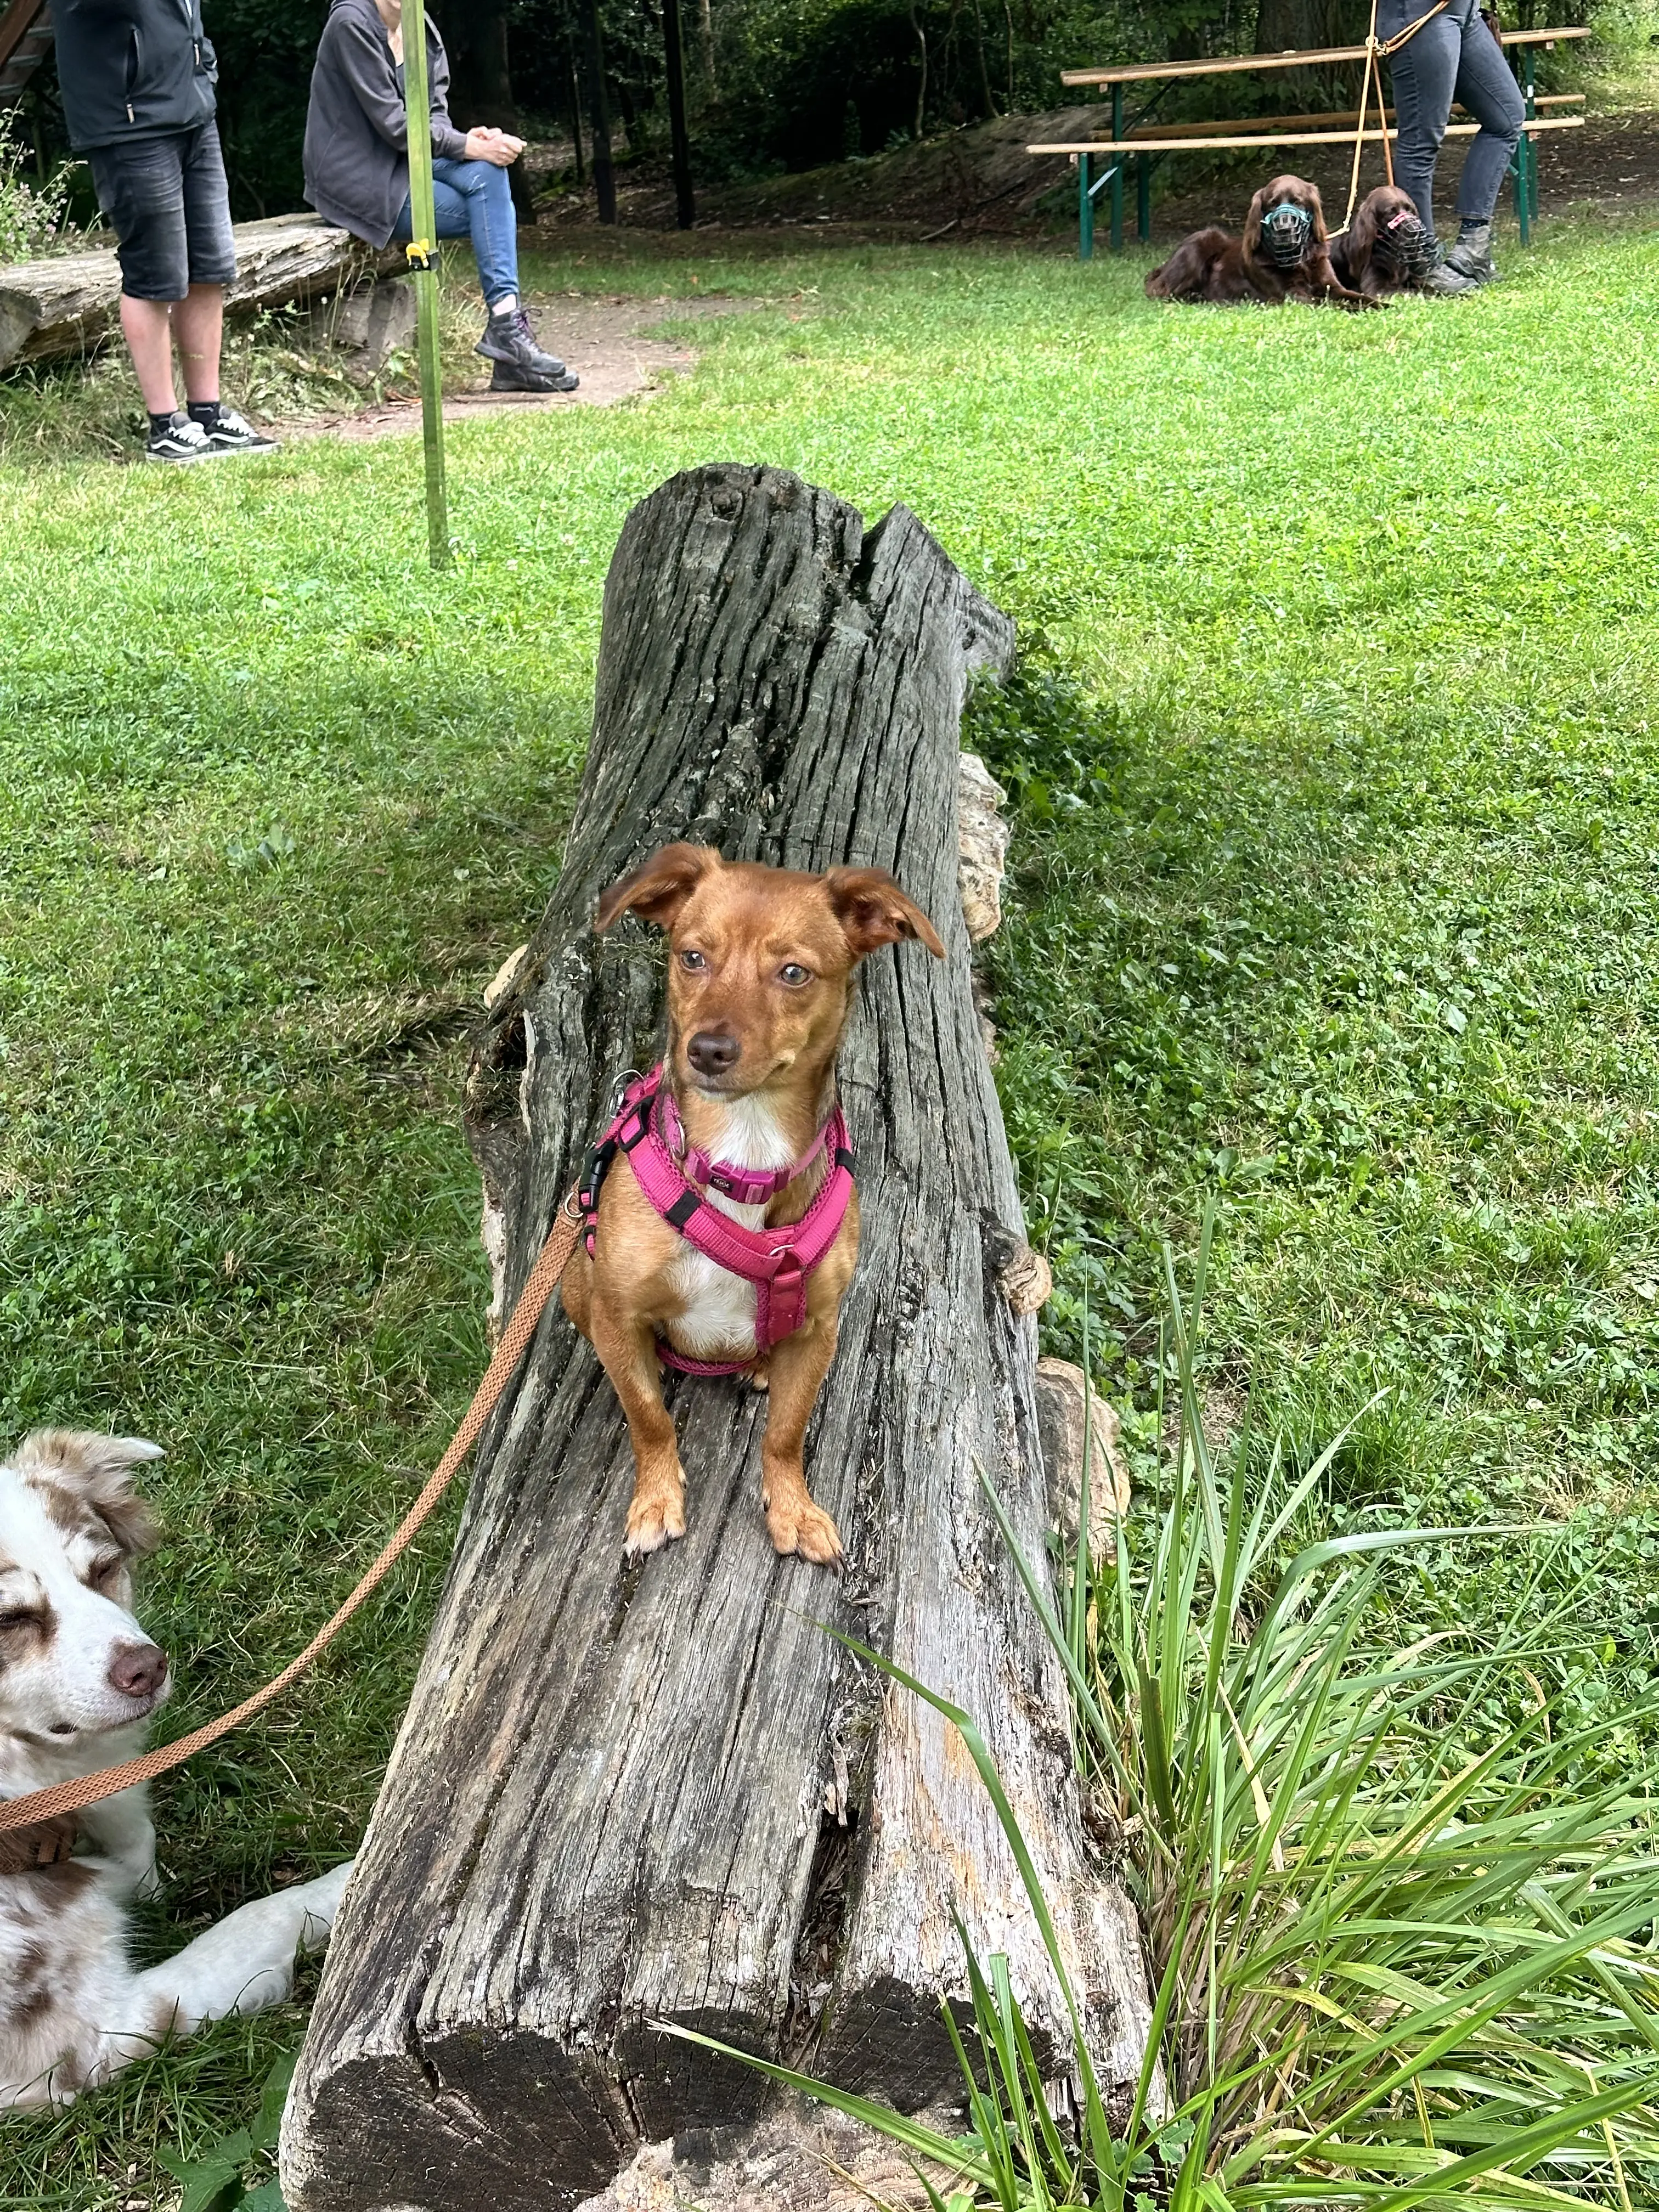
(78,1680)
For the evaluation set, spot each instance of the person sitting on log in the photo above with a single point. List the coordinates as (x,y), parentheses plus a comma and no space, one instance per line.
(356,169)
(137,78)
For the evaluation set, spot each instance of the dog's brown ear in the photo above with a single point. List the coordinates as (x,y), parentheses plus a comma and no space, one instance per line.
(1362,235)
(1316,208)
(873,910)
(658,889)
(1253,224)
(83,1477)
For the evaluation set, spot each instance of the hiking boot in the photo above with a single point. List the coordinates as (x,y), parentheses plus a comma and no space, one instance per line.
(509,340)
(1440,280)
(180,440)
(1472,257)
(230,434)
(507,376)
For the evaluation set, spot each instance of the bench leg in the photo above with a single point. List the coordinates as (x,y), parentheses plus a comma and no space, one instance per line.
(1117,171)
(1142,196)
(1085,212)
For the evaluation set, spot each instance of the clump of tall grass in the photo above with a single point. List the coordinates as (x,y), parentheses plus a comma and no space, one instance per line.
(1399,1957)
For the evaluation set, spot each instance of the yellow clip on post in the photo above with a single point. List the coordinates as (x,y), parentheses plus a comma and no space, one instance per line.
(419,253)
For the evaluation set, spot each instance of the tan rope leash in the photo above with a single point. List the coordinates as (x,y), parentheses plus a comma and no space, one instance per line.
(68,1797)
(1376,51)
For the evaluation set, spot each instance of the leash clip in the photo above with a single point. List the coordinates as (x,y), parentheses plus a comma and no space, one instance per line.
(619,1091)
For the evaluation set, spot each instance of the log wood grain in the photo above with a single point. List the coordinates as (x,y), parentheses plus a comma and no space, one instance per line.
(68,303)
(620,1797)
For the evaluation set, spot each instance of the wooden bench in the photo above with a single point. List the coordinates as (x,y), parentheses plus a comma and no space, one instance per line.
(69,303)
(1150,143)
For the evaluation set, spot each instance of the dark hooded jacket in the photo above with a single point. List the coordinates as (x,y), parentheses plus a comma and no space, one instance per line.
(132,68)
(356,154)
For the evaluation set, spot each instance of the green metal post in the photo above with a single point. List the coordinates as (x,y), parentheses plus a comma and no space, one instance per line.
(1525,166)
(1142,196)
(1117,171)
(423,250)
(1085,211)
(1532,144)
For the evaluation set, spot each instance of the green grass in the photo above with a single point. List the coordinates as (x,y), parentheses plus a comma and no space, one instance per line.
(1334,891)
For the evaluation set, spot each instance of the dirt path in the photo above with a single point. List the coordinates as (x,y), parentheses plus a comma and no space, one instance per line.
(602,341)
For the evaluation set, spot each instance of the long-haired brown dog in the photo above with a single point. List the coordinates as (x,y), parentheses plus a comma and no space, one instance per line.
(760,972)
(1283,254)
(1385,248)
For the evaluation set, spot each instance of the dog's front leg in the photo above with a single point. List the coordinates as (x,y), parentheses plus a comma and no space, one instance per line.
(243,1965)
(628,1352)
(799,1366)
(121,1831)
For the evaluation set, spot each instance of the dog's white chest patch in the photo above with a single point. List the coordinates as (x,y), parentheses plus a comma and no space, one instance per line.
(716,1320)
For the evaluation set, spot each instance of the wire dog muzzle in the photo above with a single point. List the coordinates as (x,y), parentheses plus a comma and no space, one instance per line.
(1286,230)
(1404,244)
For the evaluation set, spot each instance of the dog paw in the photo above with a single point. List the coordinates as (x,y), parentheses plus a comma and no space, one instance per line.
(760,1376)
(796,1525)
(654,1518)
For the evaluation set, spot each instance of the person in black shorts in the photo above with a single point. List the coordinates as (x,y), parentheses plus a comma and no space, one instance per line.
(137,78)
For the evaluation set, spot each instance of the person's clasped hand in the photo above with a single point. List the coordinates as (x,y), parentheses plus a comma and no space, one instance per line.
(499,147)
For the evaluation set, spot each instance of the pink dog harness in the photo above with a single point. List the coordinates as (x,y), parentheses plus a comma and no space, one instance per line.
(779,1262)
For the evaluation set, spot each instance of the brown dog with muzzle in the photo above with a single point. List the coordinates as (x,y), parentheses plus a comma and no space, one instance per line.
(760,972)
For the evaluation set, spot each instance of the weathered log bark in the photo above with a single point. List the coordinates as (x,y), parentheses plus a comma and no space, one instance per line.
(607,1806)
(53,308)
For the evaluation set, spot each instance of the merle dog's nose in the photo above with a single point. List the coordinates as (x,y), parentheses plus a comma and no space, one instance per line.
(714,1052)
(138,1670)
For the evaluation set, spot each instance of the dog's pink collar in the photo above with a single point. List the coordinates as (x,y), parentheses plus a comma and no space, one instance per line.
(779,1261)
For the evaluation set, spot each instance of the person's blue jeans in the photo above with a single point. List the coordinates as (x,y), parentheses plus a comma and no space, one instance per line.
(473,199)
(1454,58)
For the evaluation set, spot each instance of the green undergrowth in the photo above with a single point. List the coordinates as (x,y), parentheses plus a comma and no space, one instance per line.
(1331,892)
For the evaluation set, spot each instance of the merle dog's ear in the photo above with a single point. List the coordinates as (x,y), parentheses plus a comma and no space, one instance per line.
(873,910)
(658,889)
(1253,224)
(84,1480)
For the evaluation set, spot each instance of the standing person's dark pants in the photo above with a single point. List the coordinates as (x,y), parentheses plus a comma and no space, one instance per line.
(168,199)
(1454,57)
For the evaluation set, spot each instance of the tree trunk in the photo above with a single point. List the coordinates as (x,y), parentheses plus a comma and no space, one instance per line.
(625,1797)
(605,176)
(684,207)
(69,304)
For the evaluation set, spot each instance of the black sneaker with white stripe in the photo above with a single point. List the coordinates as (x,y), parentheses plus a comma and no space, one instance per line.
(230,434)
(180,439)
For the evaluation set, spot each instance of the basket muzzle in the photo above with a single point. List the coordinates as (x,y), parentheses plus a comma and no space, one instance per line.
(1403,244)
(1286,230)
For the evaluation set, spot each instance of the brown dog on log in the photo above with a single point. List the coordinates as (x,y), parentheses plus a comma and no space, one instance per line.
(1385,248)
(760,972)
(1283,255)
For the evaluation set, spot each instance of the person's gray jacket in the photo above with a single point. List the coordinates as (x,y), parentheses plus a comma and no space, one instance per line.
(131,69)
(356,153)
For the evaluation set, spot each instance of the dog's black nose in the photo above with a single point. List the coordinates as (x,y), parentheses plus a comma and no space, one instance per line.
(138,1670)
(714,1052)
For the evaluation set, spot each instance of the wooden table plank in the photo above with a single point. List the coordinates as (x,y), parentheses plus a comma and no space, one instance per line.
(1279,138)
(1291,58)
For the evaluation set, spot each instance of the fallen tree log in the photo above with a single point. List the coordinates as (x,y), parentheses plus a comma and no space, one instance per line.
(625,1797)
(69,303)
